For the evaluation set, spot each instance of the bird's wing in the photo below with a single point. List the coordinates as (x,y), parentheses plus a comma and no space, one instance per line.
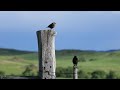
(50,25)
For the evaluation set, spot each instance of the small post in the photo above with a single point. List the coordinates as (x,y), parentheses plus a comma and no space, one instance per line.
(75,68)
(46,54)
(75,72)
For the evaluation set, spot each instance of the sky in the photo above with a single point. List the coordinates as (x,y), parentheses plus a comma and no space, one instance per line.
(83,30)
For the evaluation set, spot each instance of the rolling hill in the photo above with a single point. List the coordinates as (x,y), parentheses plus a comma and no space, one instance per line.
(14,61)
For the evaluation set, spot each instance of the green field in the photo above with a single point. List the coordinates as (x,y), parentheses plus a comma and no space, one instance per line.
(14,62)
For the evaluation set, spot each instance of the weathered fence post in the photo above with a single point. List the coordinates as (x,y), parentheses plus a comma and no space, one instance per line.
(75,72)
(46,53)
(75,68)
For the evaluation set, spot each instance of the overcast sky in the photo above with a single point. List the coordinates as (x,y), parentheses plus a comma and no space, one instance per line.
(86,30)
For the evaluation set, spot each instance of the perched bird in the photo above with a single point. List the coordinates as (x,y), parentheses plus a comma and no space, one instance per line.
(52,25)
(75,61)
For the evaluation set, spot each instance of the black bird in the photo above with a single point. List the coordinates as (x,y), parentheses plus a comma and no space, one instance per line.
(52,25)
(75,61)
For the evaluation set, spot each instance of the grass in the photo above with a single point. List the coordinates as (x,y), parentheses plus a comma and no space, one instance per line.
(15,63)
(103,62)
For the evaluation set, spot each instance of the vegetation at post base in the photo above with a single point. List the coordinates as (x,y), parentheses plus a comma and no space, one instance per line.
(91,65)
(97,74)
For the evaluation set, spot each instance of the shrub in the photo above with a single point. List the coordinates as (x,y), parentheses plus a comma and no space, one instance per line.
(29,70)
(68,72)
(64,72)
(2,74)
(112,75)
(60,72)
(98,74)
(83,75)
(92,59)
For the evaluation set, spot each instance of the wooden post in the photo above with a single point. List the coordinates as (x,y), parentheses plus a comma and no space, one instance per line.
(75,72)
(46,53)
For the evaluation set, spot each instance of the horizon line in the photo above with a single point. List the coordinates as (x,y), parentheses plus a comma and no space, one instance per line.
(61,49)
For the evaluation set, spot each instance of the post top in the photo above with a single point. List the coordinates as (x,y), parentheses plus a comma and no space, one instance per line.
(49,30)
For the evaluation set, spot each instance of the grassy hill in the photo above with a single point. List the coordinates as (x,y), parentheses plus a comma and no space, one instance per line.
(14,61)
(5,51)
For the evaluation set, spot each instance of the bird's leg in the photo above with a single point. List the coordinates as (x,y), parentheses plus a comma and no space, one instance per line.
(76,65)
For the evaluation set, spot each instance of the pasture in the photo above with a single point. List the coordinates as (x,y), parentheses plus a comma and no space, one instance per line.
(106,61)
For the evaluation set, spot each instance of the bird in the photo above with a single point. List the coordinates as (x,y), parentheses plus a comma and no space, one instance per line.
(75,60)
(52,25)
